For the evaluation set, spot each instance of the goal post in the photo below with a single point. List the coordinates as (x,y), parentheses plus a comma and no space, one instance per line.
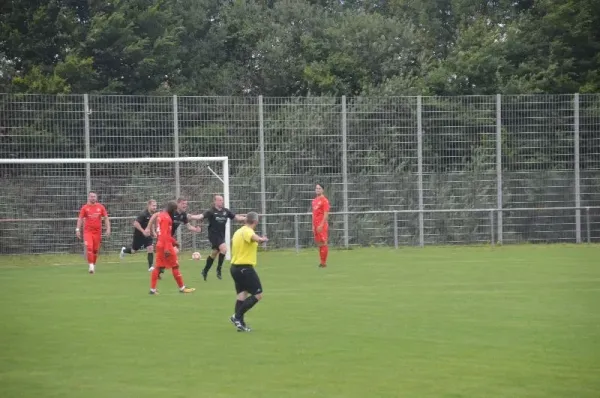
(40,197)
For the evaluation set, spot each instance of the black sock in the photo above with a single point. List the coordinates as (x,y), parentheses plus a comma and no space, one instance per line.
(238,305)
(209,262)
(150,259)
(221,259)
(127,250)
(162,271)
(246,306)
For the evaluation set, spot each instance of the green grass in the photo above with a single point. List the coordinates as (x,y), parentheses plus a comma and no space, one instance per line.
(517,321)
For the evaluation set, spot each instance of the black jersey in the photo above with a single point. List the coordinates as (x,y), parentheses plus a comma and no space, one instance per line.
(217,220)
(178,219)
(143,218)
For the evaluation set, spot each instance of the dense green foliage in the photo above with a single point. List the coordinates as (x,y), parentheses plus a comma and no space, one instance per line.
(297,47)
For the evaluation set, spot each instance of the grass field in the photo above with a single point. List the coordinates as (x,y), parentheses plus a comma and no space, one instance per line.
(516,321)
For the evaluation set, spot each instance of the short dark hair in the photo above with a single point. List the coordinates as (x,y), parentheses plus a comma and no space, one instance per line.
(321,185)
(171,206)
(181,199)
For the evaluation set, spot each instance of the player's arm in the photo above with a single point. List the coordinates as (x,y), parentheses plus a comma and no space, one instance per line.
(138,226)
(193,228)
(196,217)
(79,223)
(251,236)
(325,216)
(151,228)
(240,217)
(106,221)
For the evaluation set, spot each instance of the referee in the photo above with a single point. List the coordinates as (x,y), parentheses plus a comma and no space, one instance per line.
(244,246)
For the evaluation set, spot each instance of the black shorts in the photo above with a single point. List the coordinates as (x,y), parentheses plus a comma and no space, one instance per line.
(216,241)
(246,279)
(141,242)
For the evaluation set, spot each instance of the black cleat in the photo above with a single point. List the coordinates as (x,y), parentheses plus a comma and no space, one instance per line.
(238,324)
(204,275)
(219,275)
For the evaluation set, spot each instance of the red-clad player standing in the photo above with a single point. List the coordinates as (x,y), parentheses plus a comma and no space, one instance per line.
(320,214)
(91,215)
(166,250)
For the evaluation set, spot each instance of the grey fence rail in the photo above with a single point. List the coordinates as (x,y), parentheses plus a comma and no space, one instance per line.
(434,166)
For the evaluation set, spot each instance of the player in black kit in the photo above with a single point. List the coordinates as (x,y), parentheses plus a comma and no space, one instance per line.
(217,217)
(142,239)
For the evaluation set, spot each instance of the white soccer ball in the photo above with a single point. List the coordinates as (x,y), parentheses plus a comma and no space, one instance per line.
(196,256)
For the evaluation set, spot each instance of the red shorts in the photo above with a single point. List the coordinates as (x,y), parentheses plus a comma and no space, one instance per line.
(92,240)
(166,262)
(321,237)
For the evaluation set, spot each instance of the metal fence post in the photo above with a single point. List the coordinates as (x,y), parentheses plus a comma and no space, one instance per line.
(499,238)
(587,225)
(263,179)
(577,181)
(296,233)
(345,169)
(492,227)
(395,230)
(86,123)
(176,154)
(420,169)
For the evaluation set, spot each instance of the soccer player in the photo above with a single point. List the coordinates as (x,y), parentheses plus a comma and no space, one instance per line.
(140,239)
(179,216)
(91,215)
(166,253)
(217,217)
(320,214)
(244,246)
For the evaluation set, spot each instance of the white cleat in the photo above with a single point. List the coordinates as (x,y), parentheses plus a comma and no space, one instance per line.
(122,253)
(91,270)
(150,269)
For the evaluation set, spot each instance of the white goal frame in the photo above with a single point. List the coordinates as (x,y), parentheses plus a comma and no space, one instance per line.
(174,160)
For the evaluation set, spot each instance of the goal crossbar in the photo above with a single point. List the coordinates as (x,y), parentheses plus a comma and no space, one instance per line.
(115,160)
(175,160)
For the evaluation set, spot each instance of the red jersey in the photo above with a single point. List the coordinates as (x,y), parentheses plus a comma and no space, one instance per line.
(165,226)
(320,205)
(92,215)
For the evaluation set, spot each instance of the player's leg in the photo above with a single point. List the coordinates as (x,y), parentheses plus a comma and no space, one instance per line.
(136,245)
(178,277)
(150,256)
(97,244)
(250,284)
(154,279)
(241,295)
(323,246)
(210,258)
(222,253)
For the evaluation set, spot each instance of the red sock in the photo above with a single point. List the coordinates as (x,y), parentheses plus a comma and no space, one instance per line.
(177,276)
(95,257)
(154,277)
(90,257)
(323,251)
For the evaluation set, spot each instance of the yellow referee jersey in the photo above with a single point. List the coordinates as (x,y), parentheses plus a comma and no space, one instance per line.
(243,248)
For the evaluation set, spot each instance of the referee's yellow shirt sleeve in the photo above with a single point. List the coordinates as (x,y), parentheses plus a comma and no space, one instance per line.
(247,234)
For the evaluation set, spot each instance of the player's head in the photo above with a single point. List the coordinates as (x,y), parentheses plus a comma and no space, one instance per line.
(252,219)
(92,197)
(182,204)
(219,201)
(152,205)
(171,207)
(319,189)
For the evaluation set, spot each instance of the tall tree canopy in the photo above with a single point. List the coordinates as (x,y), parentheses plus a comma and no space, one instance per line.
(300,47)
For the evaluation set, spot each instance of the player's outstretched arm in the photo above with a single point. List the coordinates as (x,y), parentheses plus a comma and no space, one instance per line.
(196,217)
(150,228)
(193,228)
(259,239)
(240,217)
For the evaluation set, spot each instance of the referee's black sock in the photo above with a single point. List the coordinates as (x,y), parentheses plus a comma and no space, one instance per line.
(209,263)
(221,259)
(246,306)
(238,305)
(127,250)
(150,260)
